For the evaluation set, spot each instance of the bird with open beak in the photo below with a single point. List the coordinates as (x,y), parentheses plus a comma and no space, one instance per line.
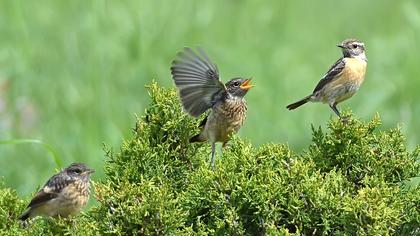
(200,89)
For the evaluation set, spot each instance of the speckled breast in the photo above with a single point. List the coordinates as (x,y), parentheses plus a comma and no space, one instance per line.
(227,118)
(73,198)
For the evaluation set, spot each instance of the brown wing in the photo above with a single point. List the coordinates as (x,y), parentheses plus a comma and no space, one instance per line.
(332,74)
(51,189)
(42,197)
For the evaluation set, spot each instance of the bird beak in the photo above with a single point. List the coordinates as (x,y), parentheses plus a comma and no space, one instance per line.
(340,46)
(247,84)
(89,171)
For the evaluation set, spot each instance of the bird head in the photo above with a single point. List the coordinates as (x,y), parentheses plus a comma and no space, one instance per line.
(79,170)
(238,87)
(353,48)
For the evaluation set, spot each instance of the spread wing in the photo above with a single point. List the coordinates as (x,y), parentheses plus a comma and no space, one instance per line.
(51,189)
(333,72)
(197,79)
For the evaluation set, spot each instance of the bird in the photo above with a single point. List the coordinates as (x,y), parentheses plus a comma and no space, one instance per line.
(342,80)
(64,194)
(200,89)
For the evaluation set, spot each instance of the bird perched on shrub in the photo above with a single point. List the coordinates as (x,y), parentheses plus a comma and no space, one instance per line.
(200,89)
(342,80)
(64,194)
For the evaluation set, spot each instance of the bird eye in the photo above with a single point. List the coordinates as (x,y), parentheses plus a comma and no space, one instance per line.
(236,84)
(77,171)
(354,45)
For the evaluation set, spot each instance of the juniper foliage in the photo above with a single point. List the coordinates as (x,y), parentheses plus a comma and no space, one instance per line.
(352,180)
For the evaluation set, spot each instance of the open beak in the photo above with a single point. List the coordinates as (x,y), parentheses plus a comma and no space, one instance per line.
(247,84)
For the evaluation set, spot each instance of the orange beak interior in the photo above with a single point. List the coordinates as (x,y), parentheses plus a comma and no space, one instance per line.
(247,84)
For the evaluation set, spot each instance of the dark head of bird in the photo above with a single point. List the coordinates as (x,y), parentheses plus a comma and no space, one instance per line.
(353,48)
(78,170)
(238,87)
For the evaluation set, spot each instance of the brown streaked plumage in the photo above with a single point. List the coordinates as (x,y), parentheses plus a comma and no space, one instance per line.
(342,80)
(64,194)
(200,89)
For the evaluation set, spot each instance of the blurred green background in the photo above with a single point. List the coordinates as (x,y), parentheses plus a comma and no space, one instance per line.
(72,73)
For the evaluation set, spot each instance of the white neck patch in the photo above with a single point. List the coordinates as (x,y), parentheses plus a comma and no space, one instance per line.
(362,56)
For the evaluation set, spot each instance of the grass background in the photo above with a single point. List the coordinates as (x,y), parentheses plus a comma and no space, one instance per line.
(72,74)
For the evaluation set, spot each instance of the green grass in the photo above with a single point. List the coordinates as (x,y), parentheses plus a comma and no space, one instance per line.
(76,70)
(46,146)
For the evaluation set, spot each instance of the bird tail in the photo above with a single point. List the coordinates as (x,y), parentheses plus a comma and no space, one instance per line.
(25,215)
(299,103)
(197,138)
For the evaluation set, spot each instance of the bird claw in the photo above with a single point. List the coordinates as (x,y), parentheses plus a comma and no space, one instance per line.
(344,119)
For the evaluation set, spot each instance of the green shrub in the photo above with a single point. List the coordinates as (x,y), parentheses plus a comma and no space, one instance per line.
(10,208)
(353,180)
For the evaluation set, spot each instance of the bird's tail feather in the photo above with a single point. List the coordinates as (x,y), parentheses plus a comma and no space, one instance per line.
(24,216)
(298,103)
(197,138)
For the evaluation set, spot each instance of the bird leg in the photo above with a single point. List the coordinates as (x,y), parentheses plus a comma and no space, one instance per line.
(334,108)
(213,150)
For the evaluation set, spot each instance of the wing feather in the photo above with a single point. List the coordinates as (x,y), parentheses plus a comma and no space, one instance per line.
(51,189)
(333,73)
(197,80)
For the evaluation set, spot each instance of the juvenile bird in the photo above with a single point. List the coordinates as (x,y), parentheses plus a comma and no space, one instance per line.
(200,89)
(342,80)
(64,194)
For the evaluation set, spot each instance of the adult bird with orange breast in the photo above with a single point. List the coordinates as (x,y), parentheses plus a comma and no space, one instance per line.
(342,80)
(200,89)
